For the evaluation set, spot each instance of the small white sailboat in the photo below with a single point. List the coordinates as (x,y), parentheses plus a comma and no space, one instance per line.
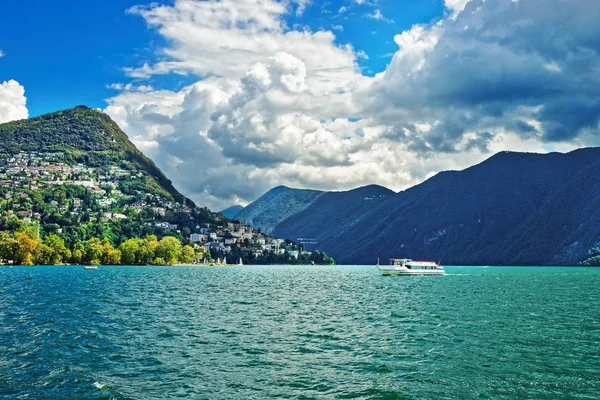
(240,262)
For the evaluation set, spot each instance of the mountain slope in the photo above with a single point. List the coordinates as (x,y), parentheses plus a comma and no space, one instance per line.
(332,214)
(87,136)
(464,217)
(232,211)
(275,206)
(514,208)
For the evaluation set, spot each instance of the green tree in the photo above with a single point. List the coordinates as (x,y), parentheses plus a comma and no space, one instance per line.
(94,251)
(44,255)
(112,257)
(26,246)
(169,249)
(58,247)
(187,253)
(129,251)
(78,253)
(152,242)
(8,246)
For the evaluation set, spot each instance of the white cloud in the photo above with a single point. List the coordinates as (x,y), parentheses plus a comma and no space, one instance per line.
(1,53)
(273,105)
(128,87)
(377,15)
(12,101)
(337,28)
(456,5)
(552,66)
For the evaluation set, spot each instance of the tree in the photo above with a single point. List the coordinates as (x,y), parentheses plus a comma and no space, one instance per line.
(129,251)
(78,253)
(25,248)
(108,252)
(94,251)
(152,242)
(60,251)
(169,249)
(112,257)
(44,255)
(8,246)
(145,255)
(187,253)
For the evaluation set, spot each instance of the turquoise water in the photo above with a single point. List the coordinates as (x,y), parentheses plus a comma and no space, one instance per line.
(298,332)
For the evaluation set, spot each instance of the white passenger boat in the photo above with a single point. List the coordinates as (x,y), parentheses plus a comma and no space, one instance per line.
(406,266)
(91,267)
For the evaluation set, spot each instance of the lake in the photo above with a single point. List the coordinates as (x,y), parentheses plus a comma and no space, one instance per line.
(256,332)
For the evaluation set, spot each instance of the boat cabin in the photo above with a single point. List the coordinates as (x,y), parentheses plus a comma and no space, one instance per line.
(413,265)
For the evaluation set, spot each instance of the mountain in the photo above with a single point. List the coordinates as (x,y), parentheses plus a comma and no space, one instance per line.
(86,136)
(512,209)
(232,211)
(332,213)
(275,206)
(77,174)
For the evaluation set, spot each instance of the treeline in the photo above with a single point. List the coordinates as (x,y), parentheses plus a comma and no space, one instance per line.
(25,247)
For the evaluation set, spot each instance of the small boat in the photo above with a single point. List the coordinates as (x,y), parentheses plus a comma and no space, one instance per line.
(240,263)
(91,267)
(406,266)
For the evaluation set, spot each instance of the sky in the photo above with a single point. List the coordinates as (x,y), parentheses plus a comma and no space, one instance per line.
(233,97)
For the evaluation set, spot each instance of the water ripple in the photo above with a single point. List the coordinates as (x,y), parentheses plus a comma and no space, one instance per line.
(298,332)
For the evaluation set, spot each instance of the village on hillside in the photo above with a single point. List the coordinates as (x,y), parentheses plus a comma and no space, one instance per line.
(112,194)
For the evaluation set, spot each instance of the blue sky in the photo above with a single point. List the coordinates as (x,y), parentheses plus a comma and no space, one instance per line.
(66,52)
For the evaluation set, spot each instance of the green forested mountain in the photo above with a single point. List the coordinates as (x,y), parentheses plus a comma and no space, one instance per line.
(512,209)
(86,136)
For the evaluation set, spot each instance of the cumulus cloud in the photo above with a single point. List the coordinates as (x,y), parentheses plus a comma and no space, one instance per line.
(1,53)
(274,105)
(12,101)
(497,65)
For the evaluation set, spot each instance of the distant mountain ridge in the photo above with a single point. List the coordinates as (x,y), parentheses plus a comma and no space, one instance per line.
(512,209)
(275,206)
(232,211)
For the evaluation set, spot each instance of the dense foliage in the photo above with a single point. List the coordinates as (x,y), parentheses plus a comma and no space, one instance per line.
(56,207)
(87,135)
(25,247)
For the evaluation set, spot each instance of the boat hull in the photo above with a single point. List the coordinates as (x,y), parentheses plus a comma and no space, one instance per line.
(408,272)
